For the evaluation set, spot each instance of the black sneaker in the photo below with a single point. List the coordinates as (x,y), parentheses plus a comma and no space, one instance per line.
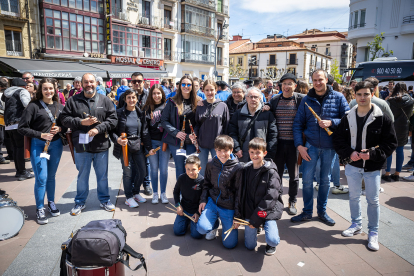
(386,178)
(29,169)
(18,174)
(25,175)
(4,161)
(270,250)
(147,191)
(395,177)
(326,219)
(52,209)
(41,216)
(8,157)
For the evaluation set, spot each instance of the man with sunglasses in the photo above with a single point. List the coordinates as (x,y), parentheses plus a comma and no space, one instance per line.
(28,78)
(137,81)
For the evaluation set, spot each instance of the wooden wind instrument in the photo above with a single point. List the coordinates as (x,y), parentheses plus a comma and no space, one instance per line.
(125,150)
(193,133)
(183,130)
(155,150)
(319,119)
(48,142)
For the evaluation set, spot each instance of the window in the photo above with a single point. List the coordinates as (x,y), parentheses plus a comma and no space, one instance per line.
(220,5)
(73,32)
(219,29)
(327,51)
(205,49)
(146,9)
(366,57)
(240,61)
(87,5)
(9,6)
(292,59)
(13,42)
(272,60)
(130,42)
(167,49)
(254,60)
(199,17)
(362,21)
(219,55)
(355,19)
(350,20)
(167,18)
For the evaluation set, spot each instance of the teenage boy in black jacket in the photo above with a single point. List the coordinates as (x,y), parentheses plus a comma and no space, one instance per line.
(189,186)
(364,139)
(259,199)
(221,183)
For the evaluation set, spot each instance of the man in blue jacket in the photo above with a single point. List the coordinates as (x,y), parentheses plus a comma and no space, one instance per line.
(330,107)
(124,87)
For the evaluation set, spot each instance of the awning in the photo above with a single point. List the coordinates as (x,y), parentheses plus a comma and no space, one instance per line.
(15,67)
(70,57)
(119,71)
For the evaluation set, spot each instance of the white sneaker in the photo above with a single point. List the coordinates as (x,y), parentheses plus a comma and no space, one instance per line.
(373,241)
(363,192)
(317,187)
(139,198)
(381,189)
(131,203)
(409,178)
(352,230)
(155,198)
(340,190)
(211,235)
(164,198)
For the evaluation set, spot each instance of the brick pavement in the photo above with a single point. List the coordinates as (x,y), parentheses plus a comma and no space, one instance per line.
(321,248)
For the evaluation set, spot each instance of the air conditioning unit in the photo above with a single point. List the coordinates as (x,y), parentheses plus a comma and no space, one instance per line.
(145,20)
(141,54)
(135,53)
(123,16)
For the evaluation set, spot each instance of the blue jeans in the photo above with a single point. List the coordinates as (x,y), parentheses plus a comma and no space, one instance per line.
(334,173)
(159,161)
(179,160)
(209,221)
(181,225)
(45,170)
(399,162)
(271,234)
(134,174)
(204,158)
(326,156)
(372,180)
(83,162)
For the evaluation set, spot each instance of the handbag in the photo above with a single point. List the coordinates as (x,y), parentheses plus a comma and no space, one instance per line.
(134,143)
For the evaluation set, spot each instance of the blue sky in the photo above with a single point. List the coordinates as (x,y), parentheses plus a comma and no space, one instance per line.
(257,18)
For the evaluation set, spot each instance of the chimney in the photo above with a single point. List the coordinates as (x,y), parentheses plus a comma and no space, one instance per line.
(302,44)
(254,46)
(237,38)
(314,31)
(313,48)
(275,37)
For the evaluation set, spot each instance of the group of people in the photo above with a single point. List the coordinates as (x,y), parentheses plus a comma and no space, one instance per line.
(252,134)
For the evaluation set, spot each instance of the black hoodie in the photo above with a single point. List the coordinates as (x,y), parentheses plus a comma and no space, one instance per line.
(233,107)
(264,194)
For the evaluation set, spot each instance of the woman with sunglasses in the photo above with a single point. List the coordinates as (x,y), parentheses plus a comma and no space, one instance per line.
(211,121)
(153,110)
(183,104)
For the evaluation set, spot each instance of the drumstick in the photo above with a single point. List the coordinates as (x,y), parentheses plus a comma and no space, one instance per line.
(183,213)
(228,233)
(242,220)
(155,150)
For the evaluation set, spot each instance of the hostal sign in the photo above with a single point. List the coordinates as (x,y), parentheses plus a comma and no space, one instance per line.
(142,61)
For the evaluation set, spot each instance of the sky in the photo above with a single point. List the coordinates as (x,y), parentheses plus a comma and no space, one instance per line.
(257,18)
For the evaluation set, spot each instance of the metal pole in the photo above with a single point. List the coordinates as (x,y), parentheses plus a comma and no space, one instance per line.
(215,54)
(28,28)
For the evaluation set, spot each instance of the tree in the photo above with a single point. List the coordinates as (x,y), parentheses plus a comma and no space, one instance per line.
(375,48)
(335,71)
(272,73)
(237,71)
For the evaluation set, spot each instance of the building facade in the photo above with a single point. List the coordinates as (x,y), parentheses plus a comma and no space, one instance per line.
(395,18)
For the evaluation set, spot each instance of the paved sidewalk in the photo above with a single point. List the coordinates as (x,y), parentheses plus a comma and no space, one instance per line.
(320,248)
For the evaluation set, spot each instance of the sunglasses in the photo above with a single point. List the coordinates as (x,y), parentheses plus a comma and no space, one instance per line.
(188,84)
(25,78)
(136,81)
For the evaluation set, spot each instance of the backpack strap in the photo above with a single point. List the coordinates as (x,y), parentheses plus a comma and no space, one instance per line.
(128,251)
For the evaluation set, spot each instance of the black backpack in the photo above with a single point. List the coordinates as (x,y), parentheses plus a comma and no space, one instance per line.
(99,243)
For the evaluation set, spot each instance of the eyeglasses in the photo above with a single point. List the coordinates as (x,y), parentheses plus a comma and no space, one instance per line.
(254,97)
(136,81)
(25,78)
(188,85)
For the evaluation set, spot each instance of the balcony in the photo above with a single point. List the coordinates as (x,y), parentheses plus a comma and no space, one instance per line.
(168,24)
(209,4)
(151,22)
(343,64)
(408,19)
(223,9)
(197,58)
(225,36)
(356,26)
(14,48)
(292,61)
(272,62)
(197,30)
(222,62)
(344,53)
(408,25)
(120,15)
(328,53)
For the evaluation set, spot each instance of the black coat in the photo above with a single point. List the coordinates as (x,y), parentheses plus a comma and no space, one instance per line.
(102,108)
(232,106)
(401,109)
(380,132)
(267,197)
(143,135)
(221,182)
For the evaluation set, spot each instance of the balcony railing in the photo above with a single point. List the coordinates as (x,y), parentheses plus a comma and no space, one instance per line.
(172,56)
(328,53)
(120,14)
(198,30)
(169,24)
(355,26)
(222,62)
(152,22)
(408,19)
(312,63)
(223,9)
(210,4)
(197,58)
(272,62)
(343,64)
(13,48)
(292,61)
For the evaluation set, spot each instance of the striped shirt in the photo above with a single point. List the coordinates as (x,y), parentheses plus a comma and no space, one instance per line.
(285,114)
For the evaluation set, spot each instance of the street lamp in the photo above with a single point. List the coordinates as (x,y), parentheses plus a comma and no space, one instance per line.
(221,36)
(252,61)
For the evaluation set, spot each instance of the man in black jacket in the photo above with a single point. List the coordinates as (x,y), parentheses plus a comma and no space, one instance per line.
(251,121)
(284,107)
(90,116)
(364,139)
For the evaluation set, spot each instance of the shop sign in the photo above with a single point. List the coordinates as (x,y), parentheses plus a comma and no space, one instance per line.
(96,55)
(108,21)
(132,6)
(52,75)
(142,61)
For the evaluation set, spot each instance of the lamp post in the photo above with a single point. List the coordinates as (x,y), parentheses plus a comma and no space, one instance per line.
(221,36)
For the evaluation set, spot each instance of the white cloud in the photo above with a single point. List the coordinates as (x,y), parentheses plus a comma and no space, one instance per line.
(280,6)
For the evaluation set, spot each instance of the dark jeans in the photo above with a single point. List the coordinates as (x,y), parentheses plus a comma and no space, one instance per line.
(8,144)
(18,150)
(134,174)
(1,141)
(286,153)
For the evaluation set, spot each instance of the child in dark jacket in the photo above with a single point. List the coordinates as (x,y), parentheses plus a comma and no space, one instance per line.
(259,199)
(221,183)
(189,186)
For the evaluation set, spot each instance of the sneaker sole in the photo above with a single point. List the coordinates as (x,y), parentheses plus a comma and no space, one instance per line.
(53,214)
(75,214)
(131,206)
(305,219)
(165,202)
(108,210)
(340,192)
(270,254)
(292,213)
(155,202)
(372,249)
(353,234)
(327,223)
(42,222)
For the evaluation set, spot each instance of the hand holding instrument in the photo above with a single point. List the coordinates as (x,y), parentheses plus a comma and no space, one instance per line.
(193,133)
(155,150)
(125,150)
(319,119)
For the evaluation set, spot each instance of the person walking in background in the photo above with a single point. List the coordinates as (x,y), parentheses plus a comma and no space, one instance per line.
(222,92)
(66,90)
(269,92)
(153,110)
(31,88)
(348,94)
(124,87)
(166,87)
(401,105)
(302,87)
(200,93)
(77,87)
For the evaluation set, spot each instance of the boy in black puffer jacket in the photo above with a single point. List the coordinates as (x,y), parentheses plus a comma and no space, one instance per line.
(260,197)
(220,189)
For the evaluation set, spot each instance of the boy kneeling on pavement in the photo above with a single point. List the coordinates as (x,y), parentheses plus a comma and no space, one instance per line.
(259,199)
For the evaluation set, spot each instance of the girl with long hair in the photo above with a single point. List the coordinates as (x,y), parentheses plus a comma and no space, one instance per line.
(37,120)
(348,93)
(153,110)
(182,105)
